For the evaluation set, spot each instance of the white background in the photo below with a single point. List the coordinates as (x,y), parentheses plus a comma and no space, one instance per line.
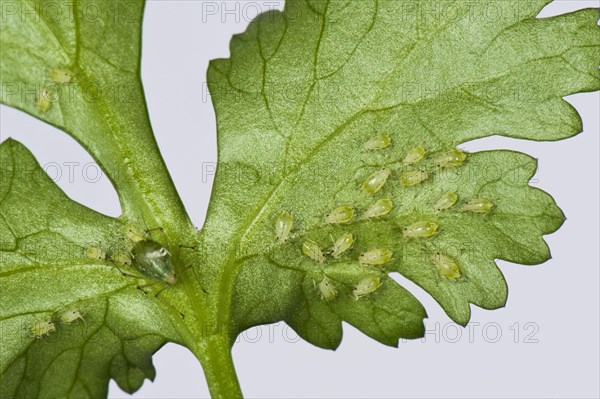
(555,306)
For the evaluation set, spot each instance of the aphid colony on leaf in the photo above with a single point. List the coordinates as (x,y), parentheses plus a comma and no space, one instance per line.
(377,256)
(149,257)
(342,214)
(378,142)
(376,181)
(413,178)
(366,286)
(342,244)
(477,205)
(283,226)
(42,328)
(446,266)
(414,155)
(380,208)
(446,201)
(422,229)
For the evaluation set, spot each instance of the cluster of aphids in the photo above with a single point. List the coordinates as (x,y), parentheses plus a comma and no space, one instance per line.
(43,328)
(151,259)
(58,76)
(423,229)
(147,256)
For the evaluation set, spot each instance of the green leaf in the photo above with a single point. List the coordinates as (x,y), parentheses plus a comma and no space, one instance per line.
(303,91)
(101,101)
(301,94)
(46,272)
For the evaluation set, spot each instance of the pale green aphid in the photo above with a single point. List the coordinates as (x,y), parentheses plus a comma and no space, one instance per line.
(342,214)
(43,100)
(377,256)
(378,142)
(133,233)
(313,251)
(328,291)
(412,178)
(59,75)
(477,205)
(70,316)
(342,244)
(283,226)
(42,328)
(446,201)
(422,229)
(376,181)
(366,286)
(414,155)
(446,265)
(380,208)
(95,253)
(450,159)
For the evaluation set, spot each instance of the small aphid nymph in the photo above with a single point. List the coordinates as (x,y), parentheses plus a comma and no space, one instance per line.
(154,261)
(378,142)
(43,102)
(413,178)
(450,159)
(313,251)
(414,155)
(133,233)
(446,266)
(59,75)
(477,205)
(283,226)
(70,316)
(328,291)
(43,328)
(380,208)
(376,181)
(377,256)
(342,214)
(342,244)
(446,201)
(366,286)
(95,253)
(423,229)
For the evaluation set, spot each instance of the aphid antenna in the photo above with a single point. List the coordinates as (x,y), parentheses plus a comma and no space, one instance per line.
(157,296)
(148,231)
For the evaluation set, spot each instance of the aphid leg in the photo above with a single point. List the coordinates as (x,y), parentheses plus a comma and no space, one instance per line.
(191,247)
(157,295)
(125,274)
(147,285)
